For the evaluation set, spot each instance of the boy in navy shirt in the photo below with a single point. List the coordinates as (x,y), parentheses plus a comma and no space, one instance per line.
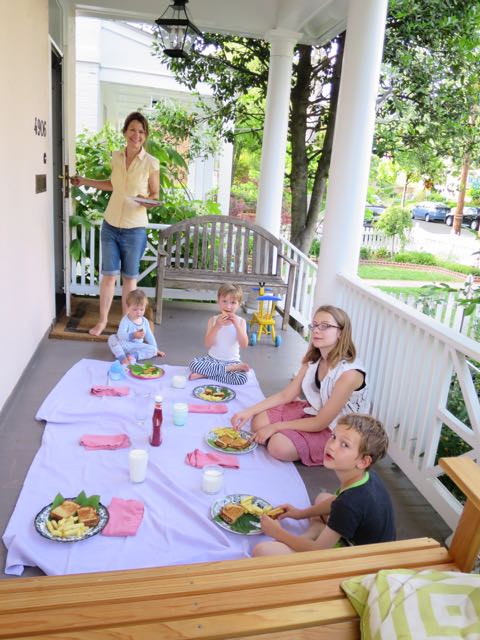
(361,510)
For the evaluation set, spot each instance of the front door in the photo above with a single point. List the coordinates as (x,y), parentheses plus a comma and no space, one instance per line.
(58,170)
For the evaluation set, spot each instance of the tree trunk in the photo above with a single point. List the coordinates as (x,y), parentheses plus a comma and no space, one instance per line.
(404,190)
(304,214)
(457,219)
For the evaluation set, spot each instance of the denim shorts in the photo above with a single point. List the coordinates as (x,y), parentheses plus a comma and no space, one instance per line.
(122,249)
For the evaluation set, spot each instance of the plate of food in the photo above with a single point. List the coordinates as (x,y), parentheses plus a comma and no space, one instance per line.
(71,519)
(240,513)
(229,440)
(214,393)
(141,200)
(146,371)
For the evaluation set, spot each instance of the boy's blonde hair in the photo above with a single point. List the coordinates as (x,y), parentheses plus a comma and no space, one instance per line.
(230,289)
(136,297)
(373,437)
(344,349)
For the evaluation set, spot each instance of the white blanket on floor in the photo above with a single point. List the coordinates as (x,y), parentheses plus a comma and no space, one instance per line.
(176,527)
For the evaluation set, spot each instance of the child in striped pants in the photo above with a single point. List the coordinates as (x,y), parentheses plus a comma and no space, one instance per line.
(226,334)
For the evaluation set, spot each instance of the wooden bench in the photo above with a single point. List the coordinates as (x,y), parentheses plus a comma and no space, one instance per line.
(291,597)
(203,252)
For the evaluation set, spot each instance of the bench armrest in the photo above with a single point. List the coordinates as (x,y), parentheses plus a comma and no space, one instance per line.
(466,539)
(290,261)
(466,475)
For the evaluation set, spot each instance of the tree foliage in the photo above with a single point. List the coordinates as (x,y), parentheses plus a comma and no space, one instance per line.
(394,222)
(236,68)
(430,85)
(429,90)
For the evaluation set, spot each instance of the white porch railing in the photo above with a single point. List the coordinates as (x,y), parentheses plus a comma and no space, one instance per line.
(446,310)
(411,360)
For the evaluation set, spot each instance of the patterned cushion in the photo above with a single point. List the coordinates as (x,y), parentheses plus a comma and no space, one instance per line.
(416,605)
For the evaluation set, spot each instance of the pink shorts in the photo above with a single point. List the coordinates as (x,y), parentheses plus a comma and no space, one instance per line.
(309,445)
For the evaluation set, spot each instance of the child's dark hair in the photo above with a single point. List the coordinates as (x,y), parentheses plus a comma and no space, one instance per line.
(230,289)
(374,439)
(136,297)
(139,117)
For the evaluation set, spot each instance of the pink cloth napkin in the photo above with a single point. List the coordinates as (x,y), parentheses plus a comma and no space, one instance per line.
(109,391)
(125,516)
(91,442)
(199,459)
(207,408)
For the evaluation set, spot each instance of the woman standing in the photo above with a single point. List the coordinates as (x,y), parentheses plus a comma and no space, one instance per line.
(123,235)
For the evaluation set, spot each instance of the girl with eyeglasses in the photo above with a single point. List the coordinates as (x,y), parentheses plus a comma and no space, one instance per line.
(333,382)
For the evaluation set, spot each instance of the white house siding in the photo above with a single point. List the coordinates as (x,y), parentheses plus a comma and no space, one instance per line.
(26,220)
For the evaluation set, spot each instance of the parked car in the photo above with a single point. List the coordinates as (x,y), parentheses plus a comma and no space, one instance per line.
(372,213)
(471,218)
(430,211)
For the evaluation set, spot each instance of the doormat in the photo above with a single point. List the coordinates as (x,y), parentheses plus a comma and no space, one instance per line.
(84,316)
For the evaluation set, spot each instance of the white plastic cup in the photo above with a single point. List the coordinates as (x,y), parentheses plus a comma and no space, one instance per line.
(137,460)
(180,413)
(179,382)
(212,478)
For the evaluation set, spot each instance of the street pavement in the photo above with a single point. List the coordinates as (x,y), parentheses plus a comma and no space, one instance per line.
(437,238)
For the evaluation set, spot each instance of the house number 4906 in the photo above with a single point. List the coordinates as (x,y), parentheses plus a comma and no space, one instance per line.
(40,127)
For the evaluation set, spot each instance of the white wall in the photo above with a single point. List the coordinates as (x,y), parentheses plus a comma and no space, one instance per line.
(26,219)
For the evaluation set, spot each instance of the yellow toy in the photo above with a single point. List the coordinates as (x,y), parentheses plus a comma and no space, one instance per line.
(264,317)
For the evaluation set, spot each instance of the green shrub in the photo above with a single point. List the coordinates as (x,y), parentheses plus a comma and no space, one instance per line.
(460,268)
(315,248)
(365,253)
(416,257)
(382,253)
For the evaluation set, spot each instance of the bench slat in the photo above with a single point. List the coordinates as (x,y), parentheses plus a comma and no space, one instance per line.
(218,582)
(82,615)
(204,246)
(107,578)
(337,631)
(195,247)
(221,238)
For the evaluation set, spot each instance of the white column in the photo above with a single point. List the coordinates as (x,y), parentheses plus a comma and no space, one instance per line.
(272,167)
(352,146)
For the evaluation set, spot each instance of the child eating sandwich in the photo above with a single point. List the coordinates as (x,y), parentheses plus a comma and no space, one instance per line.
(361,510)
(226,335)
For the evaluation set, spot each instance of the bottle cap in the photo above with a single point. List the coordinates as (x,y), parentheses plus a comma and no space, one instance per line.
(158,398)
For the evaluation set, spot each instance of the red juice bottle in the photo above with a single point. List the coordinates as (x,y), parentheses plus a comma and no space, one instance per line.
(157,420)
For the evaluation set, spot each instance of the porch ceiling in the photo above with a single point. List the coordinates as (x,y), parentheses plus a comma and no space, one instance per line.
(317,20)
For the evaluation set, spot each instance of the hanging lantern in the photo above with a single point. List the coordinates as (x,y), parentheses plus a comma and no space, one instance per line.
(176,31)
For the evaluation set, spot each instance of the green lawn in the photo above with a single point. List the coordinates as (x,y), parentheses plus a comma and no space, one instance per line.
(378,272)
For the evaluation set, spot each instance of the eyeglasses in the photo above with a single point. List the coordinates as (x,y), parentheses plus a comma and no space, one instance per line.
(322,326)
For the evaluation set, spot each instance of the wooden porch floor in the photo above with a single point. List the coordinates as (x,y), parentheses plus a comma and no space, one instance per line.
(181,336)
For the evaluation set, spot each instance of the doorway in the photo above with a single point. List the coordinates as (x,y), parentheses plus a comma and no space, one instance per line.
(57,184)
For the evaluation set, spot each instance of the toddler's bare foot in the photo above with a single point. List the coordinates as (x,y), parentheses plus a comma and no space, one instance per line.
(240,366)
(195,376)
(97,329)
